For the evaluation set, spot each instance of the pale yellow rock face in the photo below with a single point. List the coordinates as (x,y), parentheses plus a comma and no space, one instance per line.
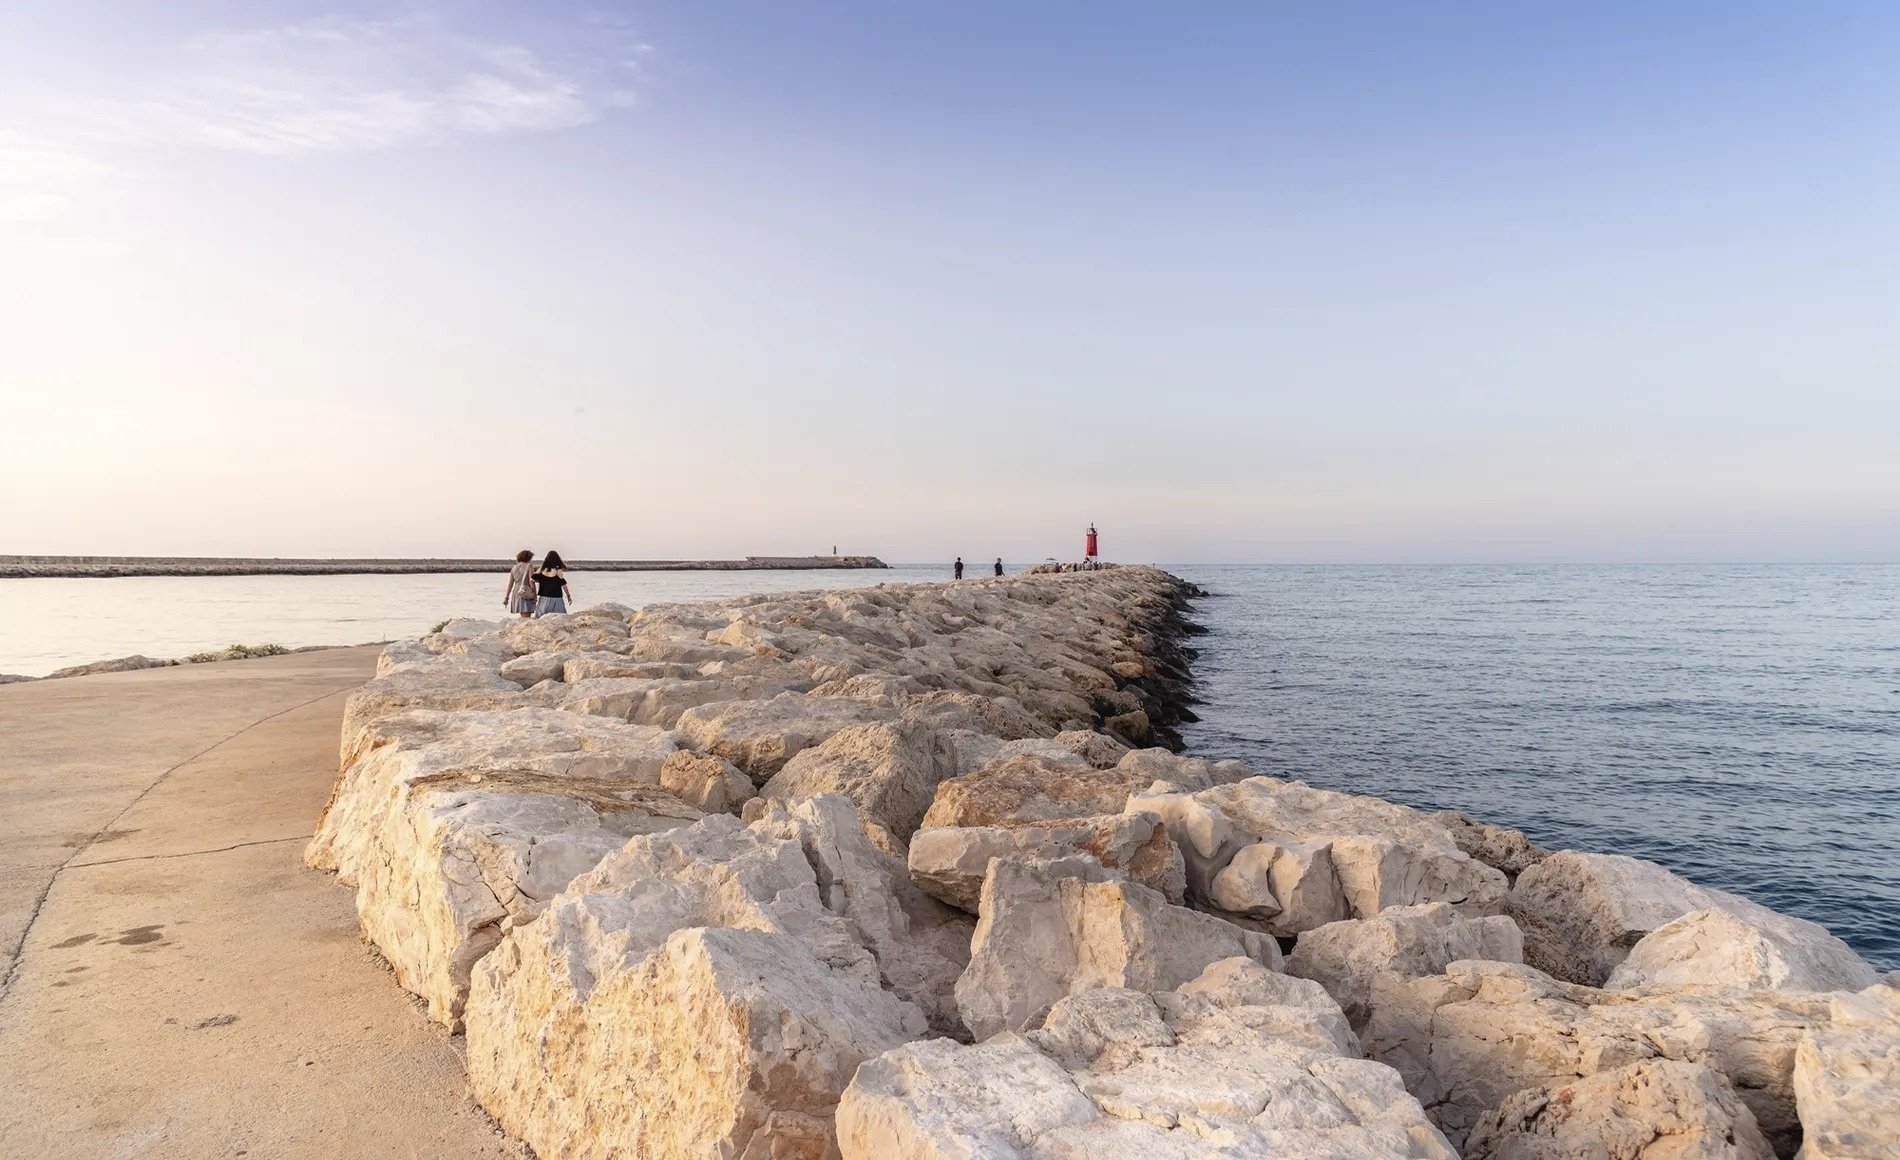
(395,752)
(1466,1039)
(890,771)
(760,736)
(1583,913)
(951,862)
(1294,858)
(691,996)
(1718,947)
(1847,1079)
(1403,941)
(713,784)
(921,945)
(1238,1062)
(1658,1109)
(450,824)
(1056,928)
(455,865)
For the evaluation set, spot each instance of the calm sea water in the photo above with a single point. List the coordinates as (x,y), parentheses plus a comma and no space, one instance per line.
(49,624)
(1740,725)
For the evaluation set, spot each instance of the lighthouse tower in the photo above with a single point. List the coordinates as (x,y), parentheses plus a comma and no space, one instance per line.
(1090,548)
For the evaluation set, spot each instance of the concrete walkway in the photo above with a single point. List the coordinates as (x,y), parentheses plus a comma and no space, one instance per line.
(173,981)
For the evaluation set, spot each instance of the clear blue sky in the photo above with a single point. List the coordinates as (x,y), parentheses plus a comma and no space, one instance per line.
(1238,282)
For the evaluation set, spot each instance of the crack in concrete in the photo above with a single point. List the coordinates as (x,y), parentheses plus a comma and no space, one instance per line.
(33,917)
(190,853)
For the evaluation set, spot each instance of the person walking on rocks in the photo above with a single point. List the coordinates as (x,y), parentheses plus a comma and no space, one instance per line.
(551,587)
(999,565)
(519,598)
(957,569)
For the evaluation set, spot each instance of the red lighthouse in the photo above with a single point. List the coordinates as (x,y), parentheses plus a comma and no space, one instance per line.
(1090,546)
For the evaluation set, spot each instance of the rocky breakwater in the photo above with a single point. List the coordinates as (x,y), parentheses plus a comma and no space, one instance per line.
(918,871)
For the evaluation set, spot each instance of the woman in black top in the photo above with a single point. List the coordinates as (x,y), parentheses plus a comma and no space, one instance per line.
(551,589)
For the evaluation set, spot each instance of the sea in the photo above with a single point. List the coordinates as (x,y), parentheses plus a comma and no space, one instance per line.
(1739,724)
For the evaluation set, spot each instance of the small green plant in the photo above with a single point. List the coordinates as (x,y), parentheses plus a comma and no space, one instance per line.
(439,626)
(237,652)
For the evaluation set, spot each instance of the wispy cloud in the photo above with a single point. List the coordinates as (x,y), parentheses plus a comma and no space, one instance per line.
(336,84)
(329,85)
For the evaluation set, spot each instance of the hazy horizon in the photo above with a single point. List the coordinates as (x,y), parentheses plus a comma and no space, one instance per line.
(1358,283)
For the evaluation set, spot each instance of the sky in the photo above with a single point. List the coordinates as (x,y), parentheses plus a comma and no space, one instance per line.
(1268,282)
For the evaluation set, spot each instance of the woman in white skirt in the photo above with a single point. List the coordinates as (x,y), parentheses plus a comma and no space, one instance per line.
(551,586)
(519,598)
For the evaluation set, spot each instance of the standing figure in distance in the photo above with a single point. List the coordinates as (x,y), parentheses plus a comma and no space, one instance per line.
(551,586)
(999,565)
(519,599)
(957,569)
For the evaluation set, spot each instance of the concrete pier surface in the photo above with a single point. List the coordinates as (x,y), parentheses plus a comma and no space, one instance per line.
(173,981)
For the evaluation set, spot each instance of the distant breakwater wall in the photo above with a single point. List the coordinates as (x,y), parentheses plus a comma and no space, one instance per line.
(96,567)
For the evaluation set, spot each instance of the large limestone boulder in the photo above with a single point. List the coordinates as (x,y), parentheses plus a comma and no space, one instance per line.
(921,945)
(951,862)
(441,685)
(713,784)
(578,632)
(388,756)
(1049,929)
(974,750)
(533,668)
(1037,787)
(890,770)
(760,736)
(1727,948)
(1504,849)
(1583,913)
(659,701)
(1404,941)
(1291,857)
(580,667)
(1238,1062)
(1466,1039)
(1847,1078)
(1658,1109)
(690,996)
(455,863)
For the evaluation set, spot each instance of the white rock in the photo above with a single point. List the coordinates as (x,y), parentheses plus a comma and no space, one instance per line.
(1033,788)
(1466,1039)
(760,736)
(587,666)
(1404,941)
(1330,856)
(389,756)
(1718,947)
(1657,1109)
(1239,1062)
(890,770)
(951,862)
(1049,929)
(1098,749)
(713,784)
(921,945)
(558,633)
(533,668)
(690,996)
(443,685)
(1846,1076)
(1582,913)
(453,864)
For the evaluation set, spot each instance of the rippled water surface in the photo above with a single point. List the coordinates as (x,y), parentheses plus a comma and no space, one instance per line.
(1740,725)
